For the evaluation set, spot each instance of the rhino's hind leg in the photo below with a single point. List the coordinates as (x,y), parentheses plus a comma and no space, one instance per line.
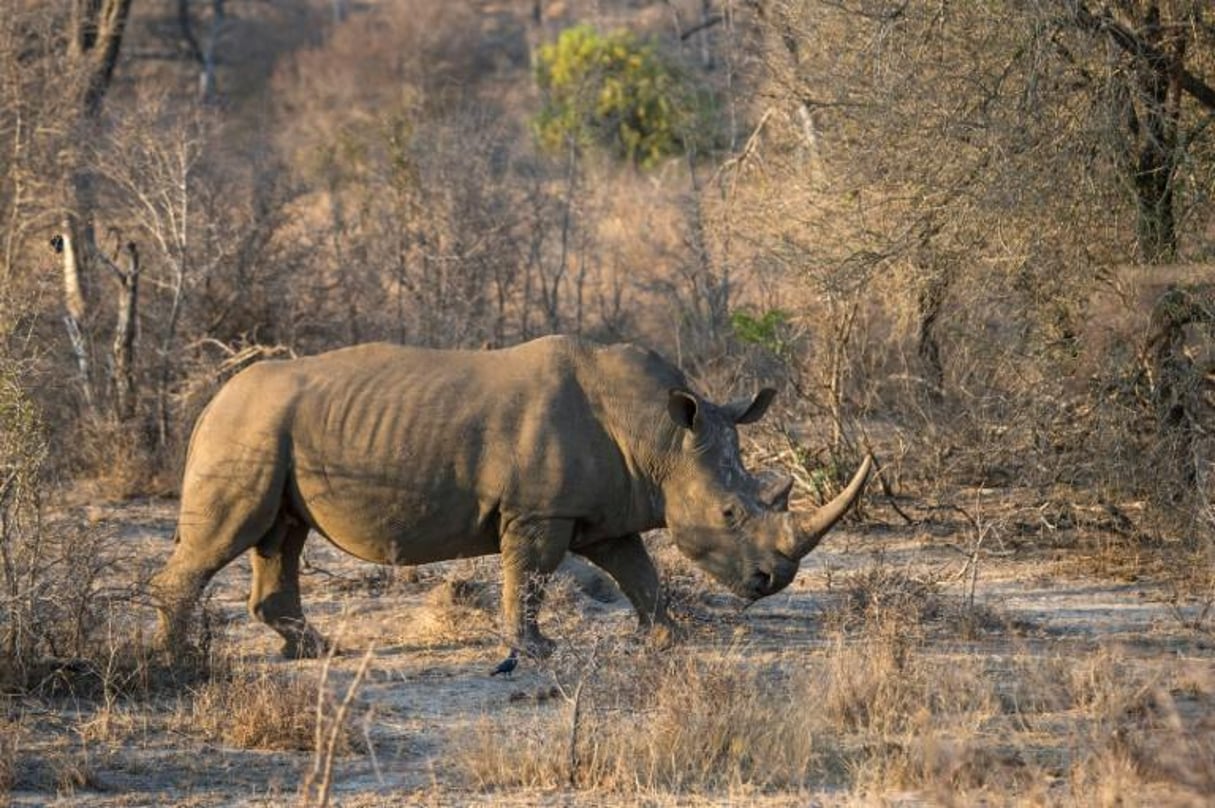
(531,551)
(178,586)
(630,565)
(175,594)
(223,514)
(274,598)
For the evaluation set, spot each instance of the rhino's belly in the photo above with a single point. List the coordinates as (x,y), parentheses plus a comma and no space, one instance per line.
(391,524)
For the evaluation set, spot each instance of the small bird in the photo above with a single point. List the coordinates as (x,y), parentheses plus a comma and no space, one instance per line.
(507,665)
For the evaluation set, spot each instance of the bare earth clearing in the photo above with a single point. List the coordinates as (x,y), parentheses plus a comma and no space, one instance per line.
(1054,687)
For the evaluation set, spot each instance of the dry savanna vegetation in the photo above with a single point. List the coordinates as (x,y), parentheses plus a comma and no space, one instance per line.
(974,239)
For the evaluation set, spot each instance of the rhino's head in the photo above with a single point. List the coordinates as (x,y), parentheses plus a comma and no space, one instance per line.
(736,528)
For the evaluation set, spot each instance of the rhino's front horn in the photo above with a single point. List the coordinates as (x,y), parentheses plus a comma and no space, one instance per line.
(808,535)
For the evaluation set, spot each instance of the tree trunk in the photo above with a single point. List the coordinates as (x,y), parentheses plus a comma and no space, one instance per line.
(125,330)
(98,39)
(94,44)
(206,76)
(166,351)
(1159,93)
(76,309)
(1158,52)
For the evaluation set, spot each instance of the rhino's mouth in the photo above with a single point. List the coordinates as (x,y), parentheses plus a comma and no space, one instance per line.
(760,582)
(769,579)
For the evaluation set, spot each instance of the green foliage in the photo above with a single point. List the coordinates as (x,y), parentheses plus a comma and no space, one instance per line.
(766,330)
(614,90)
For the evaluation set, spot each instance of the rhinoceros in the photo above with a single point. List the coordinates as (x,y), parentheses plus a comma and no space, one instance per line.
(403,455)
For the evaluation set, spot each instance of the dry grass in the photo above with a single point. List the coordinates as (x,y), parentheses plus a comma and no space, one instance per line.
(870,715)
(1145,735)
(729,721)
(887,689)
(457,610)
(62,766)
(255,707)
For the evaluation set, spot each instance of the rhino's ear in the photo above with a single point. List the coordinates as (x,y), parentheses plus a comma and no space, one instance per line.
(748,412)
(774,492)
(682,407)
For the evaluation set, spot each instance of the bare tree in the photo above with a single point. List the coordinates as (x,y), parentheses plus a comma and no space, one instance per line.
(916,129)
(94,43)
(153,168)
(1155,47)
(126,328)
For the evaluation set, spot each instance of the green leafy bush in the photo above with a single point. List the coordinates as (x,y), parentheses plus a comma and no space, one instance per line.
(614,90)
(768,330)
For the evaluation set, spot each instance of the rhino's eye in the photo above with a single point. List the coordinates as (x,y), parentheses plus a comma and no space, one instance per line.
(728,513)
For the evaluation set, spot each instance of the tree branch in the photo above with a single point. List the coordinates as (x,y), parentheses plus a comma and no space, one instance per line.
(708,22)
(1126,39)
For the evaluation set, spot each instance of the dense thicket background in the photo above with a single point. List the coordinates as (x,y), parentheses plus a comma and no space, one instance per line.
(972,236)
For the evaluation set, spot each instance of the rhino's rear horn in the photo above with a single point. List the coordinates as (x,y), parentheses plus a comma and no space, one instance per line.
(774,491)
(807,537)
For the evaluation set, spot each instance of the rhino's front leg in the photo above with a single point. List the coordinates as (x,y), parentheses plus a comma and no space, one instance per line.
(531,550)
(630,565)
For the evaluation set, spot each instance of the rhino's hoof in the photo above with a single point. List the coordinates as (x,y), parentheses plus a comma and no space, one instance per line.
(661,637)
(309,646)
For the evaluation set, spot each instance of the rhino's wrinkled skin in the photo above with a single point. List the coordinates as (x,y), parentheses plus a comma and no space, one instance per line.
(406,456)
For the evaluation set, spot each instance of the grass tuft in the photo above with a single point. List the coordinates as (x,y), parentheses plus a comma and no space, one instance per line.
(259,708)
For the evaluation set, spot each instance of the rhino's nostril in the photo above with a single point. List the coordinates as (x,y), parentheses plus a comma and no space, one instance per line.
(762,583)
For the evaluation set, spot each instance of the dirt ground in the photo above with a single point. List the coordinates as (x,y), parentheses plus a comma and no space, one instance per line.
(1009,605)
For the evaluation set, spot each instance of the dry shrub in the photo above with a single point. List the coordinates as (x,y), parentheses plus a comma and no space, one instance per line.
(1105,684)
(956,769)
(1170,739)
(373,581)
(72,620)
(62,766)
(1191,587)
(12,734)
(669,723)
(65,605)
(59,595)
(887,600)
(457,610)
(871,713)
(463,593)
(260,708)
(512,751)
(883,597)
(1147,733)
(1034,688)
(462,609)
(731,721)
(72,769)
(119,462)
(705,724)
(23,451)
(913,720)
